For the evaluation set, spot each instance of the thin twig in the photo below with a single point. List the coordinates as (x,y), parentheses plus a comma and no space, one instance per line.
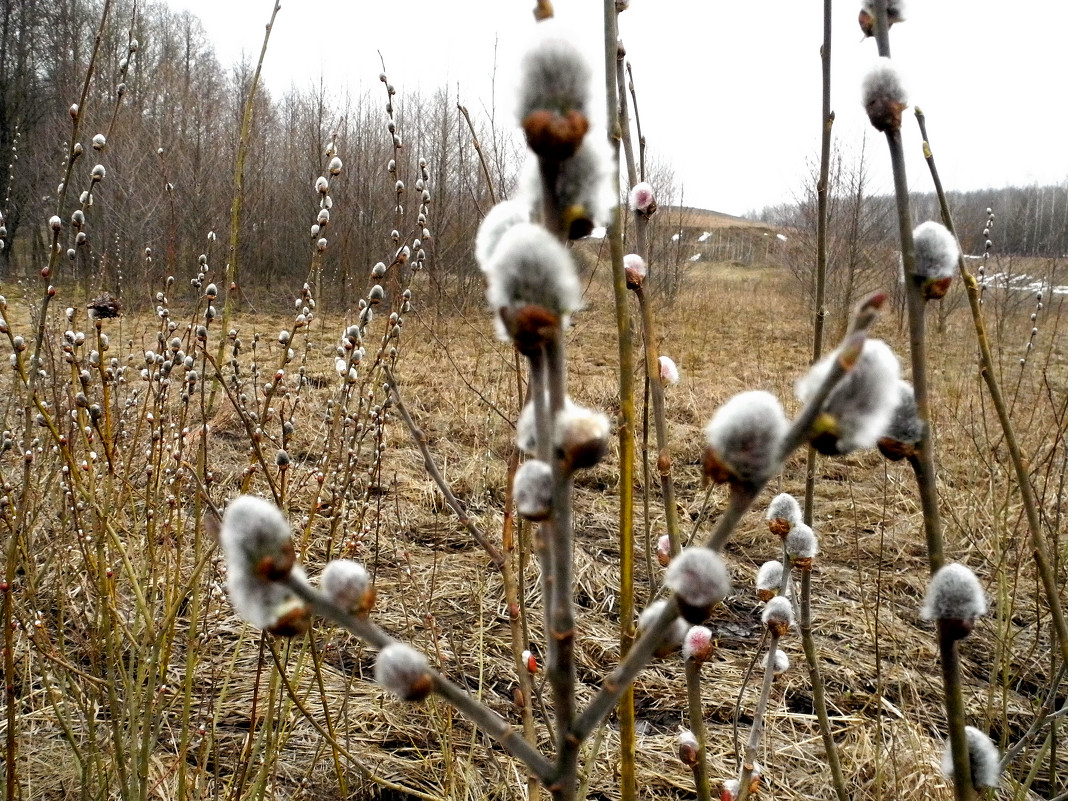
(431,467)
(756,731)
(478,713)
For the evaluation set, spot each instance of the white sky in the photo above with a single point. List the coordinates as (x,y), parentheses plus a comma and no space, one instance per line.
(729,92)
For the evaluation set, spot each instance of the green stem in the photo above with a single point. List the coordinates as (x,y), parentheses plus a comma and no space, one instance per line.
(819,696)
(697,726)
(625,423)
(232,273)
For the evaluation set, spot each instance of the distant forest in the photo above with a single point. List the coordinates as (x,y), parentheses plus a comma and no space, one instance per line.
(170,113)
(169,157)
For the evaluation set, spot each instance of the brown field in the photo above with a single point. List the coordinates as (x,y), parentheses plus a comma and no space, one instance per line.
(215,719)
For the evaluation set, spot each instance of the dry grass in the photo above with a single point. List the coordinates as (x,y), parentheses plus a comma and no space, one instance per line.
(731,329)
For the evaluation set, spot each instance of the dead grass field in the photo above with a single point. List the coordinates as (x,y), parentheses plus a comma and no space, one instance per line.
(731,329)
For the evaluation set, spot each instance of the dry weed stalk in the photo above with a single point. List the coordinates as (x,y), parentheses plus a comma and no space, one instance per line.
(625,424)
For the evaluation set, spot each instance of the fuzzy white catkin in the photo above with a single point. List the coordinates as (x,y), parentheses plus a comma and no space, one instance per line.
(698,576)
(936,250)
(863,402)
(698,644)
(530,268)
(780,664)
(669,371)
(554,75)
(533,489)
(526,427)
(982,755)
(954,593)
(778,610)
(769,576)
(905,424)
(641,197)
(784,506)
(496,222)
(745,434)
(882,82)
(261,603)
(345,583)
(252,529)
(635,266)
(801,542)
(403,671)
(584,181)
(581,434)
(676,633)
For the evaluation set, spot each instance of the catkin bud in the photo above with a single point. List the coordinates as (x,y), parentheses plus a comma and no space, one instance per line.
(778,616)
(675,634)
(347,585)
(698,644)
(983,757)
(404,672)
(635,270)
(905,429)
(669,371)
(533,490)
(859,408)
(688,749)
(801,545)
(553,94)
(784,512)
(884,96)
(937,254)
(642,199)
(532,285)
(580,436)
(663,550)
(768,580)
(743,439)
(699,579)
(954,599)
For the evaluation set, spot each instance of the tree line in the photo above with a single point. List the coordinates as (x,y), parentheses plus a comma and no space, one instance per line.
(172,114)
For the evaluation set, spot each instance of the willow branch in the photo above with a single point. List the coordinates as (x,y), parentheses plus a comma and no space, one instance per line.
(475,711)
(923,462)
(989,374)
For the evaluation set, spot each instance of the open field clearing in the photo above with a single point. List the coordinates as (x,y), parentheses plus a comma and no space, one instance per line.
(133,677)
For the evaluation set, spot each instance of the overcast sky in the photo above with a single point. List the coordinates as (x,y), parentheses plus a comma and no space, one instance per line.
(729,92)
